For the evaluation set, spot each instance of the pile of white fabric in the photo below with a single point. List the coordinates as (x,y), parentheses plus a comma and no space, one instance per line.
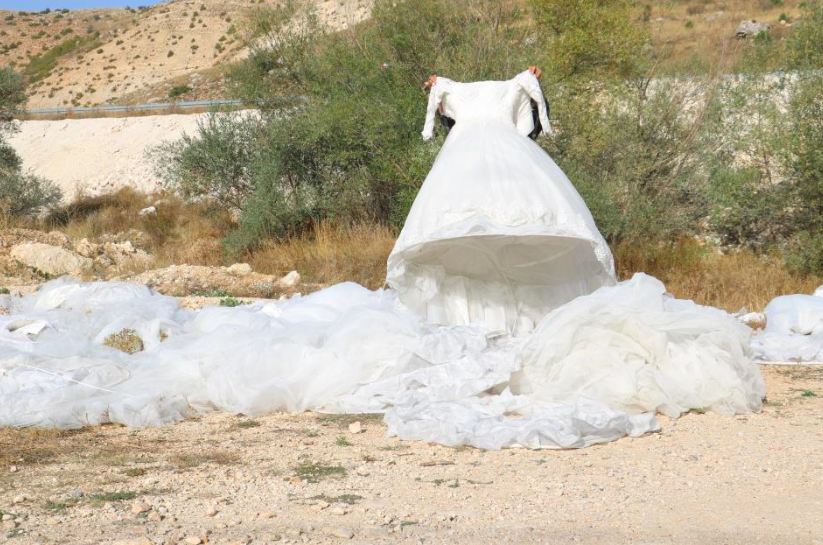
(794,330)
(593,370)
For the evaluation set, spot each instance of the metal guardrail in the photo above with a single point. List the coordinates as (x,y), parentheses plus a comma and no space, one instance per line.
(162,106)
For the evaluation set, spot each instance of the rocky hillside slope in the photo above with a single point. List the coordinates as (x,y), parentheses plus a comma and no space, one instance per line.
(123,56)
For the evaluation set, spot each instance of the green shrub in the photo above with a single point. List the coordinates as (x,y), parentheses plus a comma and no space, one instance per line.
(179,90)
(40,66)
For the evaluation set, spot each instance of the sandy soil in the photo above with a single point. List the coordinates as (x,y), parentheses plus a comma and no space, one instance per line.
(95,156)
(306,478)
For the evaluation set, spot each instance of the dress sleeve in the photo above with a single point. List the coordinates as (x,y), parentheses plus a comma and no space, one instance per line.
(531,85)
(436,94)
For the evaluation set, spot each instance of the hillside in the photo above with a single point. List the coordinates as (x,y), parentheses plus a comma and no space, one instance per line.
(125,56)
(178,48)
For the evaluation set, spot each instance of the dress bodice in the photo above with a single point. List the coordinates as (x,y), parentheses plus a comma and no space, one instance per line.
(507,102)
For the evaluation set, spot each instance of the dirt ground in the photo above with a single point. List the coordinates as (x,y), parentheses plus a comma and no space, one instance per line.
(307,478)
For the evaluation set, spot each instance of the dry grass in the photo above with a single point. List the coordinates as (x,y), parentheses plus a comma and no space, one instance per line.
(331,254)
(693,34)
(728,281)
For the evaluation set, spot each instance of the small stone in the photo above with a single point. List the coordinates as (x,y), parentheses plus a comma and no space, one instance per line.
(319,506)
(339,531)
(211,511)
(51,521)
(134,541)
(13,469)
(240,269)
(8,525)
(192,540)
(19,499)
(154,516)
(7,517)
(362,471)
(356,427)
(77,493)
(339,511)
(148,211)
(139,507)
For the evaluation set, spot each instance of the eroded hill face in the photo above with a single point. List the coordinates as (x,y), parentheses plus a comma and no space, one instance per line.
(123,56)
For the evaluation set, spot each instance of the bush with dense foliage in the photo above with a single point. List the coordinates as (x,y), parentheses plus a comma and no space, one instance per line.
(20,193)
(338,134)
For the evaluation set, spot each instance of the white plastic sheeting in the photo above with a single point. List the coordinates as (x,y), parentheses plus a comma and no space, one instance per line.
(794,330)
(594,370)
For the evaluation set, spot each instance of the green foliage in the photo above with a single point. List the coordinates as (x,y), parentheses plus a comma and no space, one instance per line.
(20,193)
(40,66)
(352,149)
(588,39)
(218,162)
(179,90)
(23,194)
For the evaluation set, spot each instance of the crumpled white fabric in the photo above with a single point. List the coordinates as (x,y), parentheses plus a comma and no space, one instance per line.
(349,349)
(794,330)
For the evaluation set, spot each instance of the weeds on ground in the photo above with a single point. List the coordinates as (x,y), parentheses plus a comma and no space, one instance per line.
(314,472)
(348,499)
(342,441)
(219,457)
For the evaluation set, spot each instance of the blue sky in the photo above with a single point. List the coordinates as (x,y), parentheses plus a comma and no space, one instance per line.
(38,5)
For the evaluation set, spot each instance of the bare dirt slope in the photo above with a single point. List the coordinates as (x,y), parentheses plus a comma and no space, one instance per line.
(306,478)
(96,156)
(112,56)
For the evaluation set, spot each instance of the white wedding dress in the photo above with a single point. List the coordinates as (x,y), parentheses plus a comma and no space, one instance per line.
(505,325)
(498,234)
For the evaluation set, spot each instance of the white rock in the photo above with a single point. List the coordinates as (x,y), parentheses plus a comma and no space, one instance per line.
(8,525)
(290,280)
(192,540)
(319,506)
(149,211)
(239,269)
(19,499)
(51,521)
(356,427)
(49,259)
(211,511)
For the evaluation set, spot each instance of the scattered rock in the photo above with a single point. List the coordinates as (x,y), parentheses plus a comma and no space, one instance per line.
(180,280)
(19,498)
(211,511)
(290,280)
(343,533)
(148,211)
(192,540)
(751,28)
(356,427)
(154,516)
(134,541)
(319,506)
(52,260)
(139,507)
(240,269)
(52,521)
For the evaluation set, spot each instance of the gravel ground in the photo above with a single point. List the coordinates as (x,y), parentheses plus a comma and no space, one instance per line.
(308,478)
